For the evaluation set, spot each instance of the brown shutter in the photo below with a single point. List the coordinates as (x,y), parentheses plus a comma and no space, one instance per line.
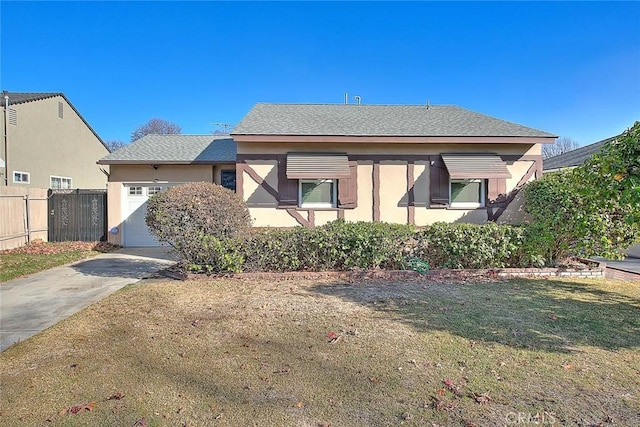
(496,187)
(348,188)
(287,188)
(438,183)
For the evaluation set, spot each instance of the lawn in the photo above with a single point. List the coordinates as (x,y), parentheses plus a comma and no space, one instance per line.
(39,256)
(232,352)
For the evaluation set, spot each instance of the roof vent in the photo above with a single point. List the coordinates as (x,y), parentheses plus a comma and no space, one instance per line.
(358,99)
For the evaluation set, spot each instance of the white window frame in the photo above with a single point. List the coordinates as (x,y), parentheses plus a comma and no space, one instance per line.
(61,178)
(156,189)
(470,205)
(135,194)
(334,193)
(28,175)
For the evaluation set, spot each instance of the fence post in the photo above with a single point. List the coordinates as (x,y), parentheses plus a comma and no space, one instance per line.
(27,218)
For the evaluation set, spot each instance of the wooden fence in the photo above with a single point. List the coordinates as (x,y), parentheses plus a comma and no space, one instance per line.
(23,216)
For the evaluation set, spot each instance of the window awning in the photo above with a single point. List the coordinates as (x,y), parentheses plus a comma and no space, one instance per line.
(470,166)
(317,166)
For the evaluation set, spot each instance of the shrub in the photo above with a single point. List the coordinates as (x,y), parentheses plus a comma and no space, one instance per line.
(445,245)
(199,220)
(338,245)
(568,222)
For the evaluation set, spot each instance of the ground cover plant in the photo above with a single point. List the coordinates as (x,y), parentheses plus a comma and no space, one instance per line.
(39,256)
(230,352)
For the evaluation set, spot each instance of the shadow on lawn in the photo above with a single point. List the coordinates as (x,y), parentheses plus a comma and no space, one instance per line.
(548,315)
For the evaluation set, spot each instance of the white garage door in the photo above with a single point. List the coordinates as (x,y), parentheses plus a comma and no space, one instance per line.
(135,230)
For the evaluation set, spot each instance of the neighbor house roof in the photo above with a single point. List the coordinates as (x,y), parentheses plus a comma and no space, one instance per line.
(376,120)
(22,97)
(16,98)
(175,149)
(575,157)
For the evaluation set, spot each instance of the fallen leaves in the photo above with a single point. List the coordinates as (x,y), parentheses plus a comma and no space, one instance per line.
(482,399)
(77,409)
(38,247)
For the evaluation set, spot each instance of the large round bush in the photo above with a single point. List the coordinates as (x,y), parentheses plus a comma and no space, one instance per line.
(189,216)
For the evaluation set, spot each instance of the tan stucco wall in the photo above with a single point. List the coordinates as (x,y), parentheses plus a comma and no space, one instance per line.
(393,189)
(393,196)
(44,145)
(364,209)
(164,173)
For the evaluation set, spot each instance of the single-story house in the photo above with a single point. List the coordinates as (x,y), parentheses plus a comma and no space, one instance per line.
(308,164)
(576,157)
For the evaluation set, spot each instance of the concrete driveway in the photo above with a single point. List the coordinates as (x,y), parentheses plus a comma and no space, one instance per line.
(31,304)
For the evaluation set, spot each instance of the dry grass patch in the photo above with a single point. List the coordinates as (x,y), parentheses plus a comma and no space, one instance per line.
(319,353)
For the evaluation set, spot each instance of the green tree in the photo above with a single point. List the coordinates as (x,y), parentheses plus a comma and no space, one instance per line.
(613,175)
(591,210)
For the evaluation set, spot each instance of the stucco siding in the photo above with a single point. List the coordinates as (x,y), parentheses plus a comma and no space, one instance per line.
(270,217)
(393,191)
(364,209)
(163,173)
(43,145)
(517,171)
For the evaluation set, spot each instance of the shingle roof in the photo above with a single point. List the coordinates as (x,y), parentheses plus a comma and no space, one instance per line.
(175,149)
(574,157)
(376,120)
(22,97)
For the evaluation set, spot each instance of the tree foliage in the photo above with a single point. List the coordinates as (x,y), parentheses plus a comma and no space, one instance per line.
(591,210)
(155,127)
(613,175)
(560,146)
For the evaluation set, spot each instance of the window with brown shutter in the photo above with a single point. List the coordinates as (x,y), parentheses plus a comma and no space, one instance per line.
(348,188)
(287,188)
(438,184)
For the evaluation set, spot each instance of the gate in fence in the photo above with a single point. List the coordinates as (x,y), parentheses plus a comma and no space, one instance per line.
(79,215)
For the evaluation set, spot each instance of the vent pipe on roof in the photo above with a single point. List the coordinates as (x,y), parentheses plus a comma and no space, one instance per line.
(346,98)
(428,104)
(357,98)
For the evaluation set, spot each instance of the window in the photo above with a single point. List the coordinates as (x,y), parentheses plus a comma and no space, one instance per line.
(154,190)
(467,193)
(135,191)
(228,179)
(60,182)
(317,193)
(21,177)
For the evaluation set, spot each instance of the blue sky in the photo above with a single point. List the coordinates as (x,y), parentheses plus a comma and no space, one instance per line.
(570,68)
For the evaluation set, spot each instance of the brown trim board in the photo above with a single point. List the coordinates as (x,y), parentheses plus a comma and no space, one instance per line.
(411,209)
(376,191)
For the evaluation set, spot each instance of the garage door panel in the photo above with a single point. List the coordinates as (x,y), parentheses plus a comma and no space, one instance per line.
(136,232)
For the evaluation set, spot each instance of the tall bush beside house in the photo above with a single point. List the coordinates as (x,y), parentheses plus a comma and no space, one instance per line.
(201,221)
(591,210)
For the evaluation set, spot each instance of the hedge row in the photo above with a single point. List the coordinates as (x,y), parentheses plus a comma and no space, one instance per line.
(341,245)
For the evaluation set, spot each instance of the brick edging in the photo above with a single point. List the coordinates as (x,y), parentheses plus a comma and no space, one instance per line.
(595,272)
